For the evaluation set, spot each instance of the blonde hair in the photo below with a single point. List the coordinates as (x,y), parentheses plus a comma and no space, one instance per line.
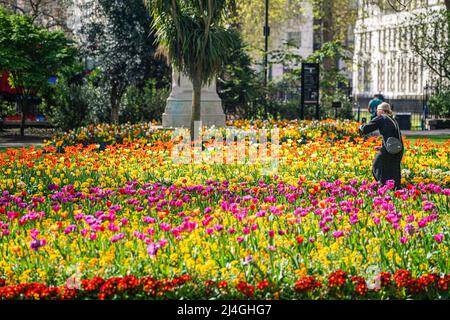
(386,107)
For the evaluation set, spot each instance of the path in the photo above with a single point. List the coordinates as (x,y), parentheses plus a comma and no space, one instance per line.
(12,141)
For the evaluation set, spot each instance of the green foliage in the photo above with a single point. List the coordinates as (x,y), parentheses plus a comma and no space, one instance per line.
(344,112)
(143,105)
(123,46)
(193,37)
(332,81)
(7,109)
(250,17)
(337,16)
(244,94)
(331,78)
(239,86)
(439,104)
(76,100)
(31,54)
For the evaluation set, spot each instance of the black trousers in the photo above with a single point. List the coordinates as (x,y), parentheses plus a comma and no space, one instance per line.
(386,166)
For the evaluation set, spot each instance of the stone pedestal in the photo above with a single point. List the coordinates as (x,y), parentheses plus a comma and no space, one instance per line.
(178,110)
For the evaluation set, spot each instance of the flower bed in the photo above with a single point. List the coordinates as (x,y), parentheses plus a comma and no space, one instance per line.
(338,285)
(318,228)
(105,134)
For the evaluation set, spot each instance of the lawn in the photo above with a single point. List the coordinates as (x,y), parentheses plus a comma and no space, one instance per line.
(438,139)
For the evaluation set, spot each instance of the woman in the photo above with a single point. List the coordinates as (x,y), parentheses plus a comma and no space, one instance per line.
(385,166)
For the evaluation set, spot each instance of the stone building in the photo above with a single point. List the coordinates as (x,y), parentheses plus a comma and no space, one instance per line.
(300,33)
(383,59)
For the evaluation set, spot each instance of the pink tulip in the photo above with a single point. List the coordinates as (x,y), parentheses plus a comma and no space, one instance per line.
(338,234)
(438,237)
(163,242)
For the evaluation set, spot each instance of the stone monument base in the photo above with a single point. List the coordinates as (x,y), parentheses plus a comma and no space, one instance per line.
(178,110)
(178,114)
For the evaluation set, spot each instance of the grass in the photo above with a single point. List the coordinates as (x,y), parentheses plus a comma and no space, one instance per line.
(438,139)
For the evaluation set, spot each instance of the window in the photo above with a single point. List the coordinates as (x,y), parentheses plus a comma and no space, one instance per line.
(295,38)
(403,69)
(381,75)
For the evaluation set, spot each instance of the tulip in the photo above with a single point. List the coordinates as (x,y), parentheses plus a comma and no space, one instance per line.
(438,237)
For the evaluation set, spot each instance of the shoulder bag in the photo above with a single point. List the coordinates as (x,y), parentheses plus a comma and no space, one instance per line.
(392,144)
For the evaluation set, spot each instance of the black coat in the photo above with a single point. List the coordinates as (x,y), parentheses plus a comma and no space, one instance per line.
(385,166)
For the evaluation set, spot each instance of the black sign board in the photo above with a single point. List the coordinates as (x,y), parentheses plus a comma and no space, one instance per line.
(336,104)
(310,87)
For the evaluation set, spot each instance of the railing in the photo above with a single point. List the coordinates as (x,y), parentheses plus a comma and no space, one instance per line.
(416,122)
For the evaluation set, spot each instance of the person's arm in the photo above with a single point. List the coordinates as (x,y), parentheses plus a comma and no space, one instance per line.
(373,125)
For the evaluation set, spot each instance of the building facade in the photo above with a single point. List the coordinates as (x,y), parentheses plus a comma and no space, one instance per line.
(384,62)
(298,33)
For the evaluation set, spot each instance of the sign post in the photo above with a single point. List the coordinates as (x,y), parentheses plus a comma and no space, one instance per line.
(336,105)
(310,87)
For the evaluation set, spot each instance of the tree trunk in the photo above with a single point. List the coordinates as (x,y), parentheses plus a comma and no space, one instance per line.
(447,6)
(23,109)
(196,100)
(234,14)
(327,31)
(114,105)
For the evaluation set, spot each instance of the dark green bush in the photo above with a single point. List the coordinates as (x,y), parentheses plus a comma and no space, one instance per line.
(143,105)
(439,104)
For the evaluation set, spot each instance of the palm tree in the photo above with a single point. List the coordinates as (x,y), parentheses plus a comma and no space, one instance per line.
(193,37)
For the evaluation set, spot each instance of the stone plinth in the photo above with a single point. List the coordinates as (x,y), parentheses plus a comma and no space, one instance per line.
(178,110)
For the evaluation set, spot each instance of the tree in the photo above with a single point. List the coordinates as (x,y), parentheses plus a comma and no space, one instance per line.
(238,84)
(334,19)
(333,81)
(399,5)
(31,55)
(250,17)
(193,37)
(431,40)
(120,41)
(432,44)
(45,13)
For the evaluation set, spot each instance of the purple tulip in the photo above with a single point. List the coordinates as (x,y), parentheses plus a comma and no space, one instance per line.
(36,244)
(152,249)
(338,234)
